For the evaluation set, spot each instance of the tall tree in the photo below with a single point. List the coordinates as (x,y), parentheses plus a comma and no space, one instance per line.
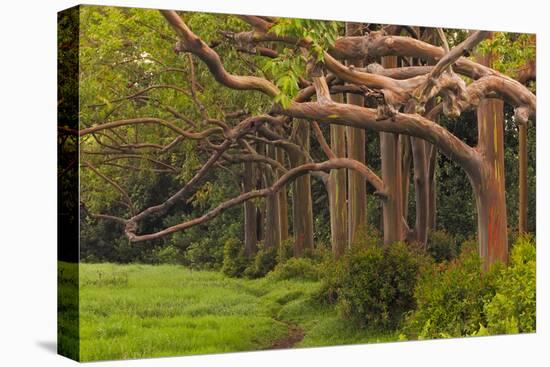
(357,187)
(272,216)
(283,200)
(302,209)
(391,162)
(337,191)
(250,219)
(490,188)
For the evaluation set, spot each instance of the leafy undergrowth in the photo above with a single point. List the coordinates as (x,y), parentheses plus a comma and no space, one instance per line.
(137,311)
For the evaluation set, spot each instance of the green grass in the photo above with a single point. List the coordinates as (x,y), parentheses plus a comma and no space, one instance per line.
(137,311)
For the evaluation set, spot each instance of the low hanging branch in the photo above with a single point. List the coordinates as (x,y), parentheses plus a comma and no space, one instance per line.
(291,175)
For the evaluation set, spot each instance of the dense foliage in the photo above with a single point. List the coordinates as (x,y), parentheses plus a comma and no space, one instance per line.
(513,307)
(459,299)
(374,285)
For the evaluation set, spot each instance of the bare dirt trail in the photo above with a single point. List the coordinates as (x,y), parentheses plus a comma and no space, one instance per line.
(294,336)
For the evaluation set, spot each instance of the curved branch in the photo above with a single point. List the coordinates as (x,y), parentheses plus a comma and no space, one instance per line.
(138,156)
(190,42)
(102,216)
(240,130)
(114,184)
(143,91)
(278,185)
(322,141)
(259,158)
(150,120)
(401,123)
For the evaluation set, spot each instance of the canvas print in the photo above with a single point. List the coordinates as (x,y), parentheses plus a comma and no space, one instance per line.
(236,183)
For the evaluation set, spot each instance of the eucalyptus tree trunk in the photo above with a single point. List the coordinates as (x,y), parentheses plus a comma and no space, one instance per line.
(432,191)
(337,191)
(302,208)
(423,184)
(488,181)
(283,202)
(272,215)
(260,177)
(421,190)
(390,156)
(423,180)
(406,163)
(357,186)
(250,219)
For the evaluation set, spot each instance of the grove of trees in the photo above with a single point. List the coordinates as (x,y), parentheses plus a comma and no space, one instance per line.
(197,127)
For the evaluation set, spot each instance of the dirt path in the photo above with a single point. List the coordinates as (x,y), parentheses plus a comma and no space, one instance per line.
(294,336)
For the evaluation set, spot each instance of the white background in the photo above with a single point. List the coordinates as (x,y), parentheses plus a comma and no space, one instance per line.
(28,183)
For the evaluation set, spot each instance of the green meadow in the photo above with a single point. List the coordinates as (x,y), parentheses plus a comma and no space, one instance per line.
(138,311)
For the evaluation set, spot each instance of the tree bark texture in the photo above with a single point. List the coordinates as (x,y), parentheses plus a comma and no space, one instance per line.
(489,186)
(302,207)
(272,215)
(390,155)
(357,188)
(250,219)
(337,192)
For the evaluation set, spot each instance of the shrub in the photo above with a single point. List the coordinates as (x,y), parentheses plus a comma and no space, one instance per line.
(204,254)
(368,236)
(166,255)
(285,250)
(264,261)
(330,282)
(450,298)
(442,246)
(468,246)
(375,285)
(234,259)
(513,307)
(296,268)
(320,254)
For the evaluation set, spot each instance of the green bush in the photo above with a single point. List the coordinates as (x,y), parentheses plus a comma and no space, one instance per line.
(204,254)
(442,246)
(375,285)
(468,246)
(264,261)
(330,282)
(166,255)
(450,298)
(296,268)
(285,250)
(513,307)
(368,236)
(234,259)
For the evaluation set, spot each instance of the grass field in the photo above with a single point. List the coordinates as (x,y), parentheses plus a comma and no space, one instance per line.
(137,311)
